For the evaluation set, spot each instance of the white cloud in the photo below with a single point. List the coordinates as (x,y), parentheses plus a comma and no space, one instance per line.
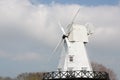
(42,21)
(107,35)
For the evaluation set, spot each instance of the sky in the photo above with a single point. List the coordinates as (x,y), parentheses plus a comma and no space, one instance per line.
(29,32)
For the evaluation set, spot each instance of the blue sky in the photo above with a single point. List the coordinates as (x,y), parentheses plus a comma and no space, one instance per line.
(80,2)
(29,33)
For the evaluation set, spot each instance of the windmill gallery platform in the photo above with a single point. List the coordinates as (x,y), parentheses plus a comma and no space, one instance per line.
(75,75)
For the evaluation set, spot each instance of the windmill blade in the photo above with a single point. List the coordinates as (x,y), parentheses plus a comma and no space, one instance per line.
(55,49)
(62,29)
(67,42)
(64,34)
(62,57)
(75,15)
(69,25)
(90,28)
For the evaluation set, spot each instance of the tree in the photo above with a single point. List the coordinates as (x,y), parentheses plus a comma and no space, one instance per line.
(100,67)
(6,78)
(30,76)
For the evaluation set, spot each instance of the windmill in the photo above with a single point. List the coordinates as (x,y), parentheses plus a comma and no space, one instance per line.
(74,54)
(74,63)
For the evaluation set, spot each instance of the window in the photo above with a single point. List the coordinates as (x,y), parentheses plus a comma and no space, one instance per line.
(71,58)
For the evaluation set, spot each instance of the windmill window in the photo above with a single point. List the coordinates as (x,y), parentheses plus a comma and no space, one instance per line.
(71,58)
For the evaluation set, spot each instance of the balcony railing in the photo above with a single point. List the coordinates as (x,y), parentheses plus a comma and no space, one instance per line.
(56,75)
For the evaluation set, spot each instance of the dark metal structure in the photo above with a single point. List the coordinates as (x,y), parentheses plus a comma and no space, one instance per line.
(75,75)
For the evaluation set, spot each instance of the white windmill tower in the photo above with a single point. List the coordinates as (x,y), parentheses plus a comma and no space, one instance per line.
(74,56)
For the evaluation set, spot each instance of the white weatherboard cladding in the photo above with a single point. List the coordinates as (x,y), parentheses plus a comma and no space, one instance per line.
(80,59)
(77,51)
(78,33)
